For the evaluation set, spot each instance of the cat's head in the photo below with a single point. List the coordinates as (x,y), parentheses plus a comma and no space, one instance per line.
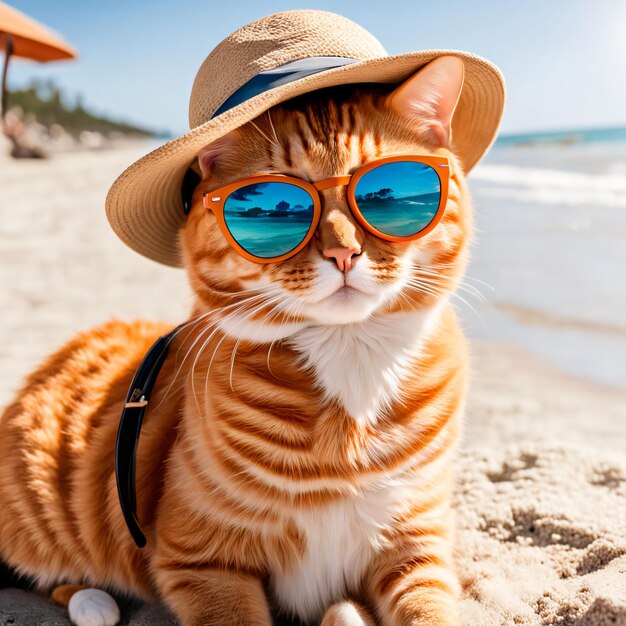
(344,274)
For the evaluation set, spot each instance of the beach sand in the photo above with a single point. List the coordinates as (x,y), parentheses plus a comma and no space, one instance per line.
(541,475)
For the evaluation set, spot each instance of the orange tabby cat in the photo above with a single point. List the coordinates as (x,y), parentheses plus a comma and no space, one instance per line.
(296,455)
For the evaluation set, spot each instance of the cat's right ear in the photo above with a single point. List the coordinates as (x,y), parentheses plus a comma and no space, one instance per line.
(209,157)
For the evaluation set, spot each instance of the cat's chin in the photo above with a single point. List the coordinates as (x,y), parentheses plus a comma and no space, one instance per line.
(347,305)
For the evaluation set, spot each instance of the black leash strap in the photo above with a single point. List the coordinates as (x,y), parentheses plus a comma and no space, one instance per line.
(130,427)
(137,402)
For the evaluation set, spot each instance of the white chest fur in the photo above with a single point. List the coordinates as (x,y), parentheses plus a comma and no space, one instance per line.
(363,364)
(341,541)
(344,538)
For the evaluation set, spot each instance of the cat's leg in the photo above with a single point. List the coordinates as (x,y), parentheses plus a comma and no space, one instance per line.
(87,606)
(214,597)
(347,613)
(415,584)
(63,593)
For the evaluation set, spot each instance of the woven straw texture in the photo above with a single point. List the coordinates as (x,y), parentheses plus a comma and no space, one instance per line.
(144,206)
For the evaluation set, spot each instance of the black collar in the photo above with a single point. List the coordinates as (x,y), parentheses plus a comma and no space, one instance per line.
(137,402)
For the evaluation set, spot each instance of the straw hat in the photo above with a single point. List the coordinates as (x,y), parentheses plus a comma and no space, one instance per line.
(266,62)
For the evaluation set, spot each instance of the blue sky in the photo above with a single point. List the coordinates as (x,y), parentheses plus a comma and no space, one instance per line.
(564,60)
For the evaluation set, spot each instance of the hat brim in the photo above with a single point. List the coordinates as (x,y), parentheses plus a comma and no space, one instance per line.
(144,205)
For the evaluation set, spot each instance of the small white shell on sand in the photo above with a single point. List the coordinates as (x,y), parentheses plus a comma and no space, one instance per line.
(93,607)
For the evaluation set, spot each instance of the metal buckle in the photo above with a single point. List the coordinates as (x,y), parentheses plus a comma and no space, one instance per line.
(137,400)
(141,402)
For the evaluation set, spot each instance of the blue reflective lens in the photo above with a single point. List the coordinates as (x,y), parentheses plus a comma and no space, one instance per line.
(269,219)
(399,199)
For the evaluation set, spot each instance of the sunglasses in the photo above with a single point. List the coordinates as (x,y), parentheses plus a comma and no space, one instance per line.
(270,218)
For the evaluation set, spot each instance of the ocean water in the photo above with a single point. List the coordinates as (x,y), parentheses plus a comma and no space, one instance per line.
(266,236)
(549,255)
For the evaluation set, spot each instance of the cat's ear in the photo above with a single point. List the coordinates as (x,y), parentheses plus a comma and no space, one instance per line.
(210,156)
(430,96)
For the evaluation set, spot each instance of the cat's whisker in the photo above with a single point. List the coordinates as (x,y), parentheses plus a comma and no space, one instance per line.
(462,285)
(447,266)
(269,351)
(290,315)
(215,330)
(199,319)
(482,282)
(220,326)
(440,282)
(437,290)
(232,361)
(206,379)
(272,314)
(232,365)
(203,317)
(404,297)
(263,134)
(191,325)
(212,312)
(269,118)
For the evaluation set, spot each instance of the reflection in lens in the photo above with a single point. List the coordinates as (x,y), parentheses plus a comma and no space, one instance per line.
(269,219)
(399,199)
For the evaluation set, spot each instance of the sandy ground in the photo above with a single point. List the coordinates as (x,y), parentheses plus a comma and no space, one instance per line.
(542,474)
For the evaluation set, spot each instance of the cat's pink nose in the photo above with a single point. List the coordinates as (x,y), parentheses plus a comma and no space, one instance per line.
(342,256)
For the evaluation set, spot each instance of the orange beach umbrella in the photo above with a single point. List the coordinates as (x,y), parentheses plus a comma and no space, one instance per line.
(21,36)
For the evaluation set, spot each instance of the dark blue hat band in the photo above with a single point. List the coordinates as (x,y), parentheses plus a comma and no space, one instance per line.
(281,75)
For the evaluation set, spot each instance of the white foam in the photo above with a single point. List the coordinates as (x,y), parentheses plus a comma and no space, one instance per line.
(551,186)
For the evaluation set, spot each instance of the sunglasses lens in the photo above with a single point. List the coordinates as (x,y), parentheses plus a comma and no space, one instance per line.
(269,219)
(399,199)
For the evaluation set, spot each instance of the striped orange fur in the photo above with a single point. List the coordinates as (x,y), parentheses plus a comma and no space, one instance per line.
(296,455)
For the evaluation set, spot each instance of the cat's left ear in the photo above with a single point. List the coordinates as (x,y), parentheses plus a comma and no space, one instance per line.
(429,97)
(212,154)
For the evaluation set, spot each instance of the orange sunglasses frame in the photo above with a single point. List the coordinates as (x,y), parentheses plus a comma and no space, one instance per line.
(215,200)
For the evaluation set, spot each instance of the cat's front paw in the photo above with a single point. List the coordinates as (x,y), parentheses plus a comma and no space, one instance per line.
(93,607)
(347,614)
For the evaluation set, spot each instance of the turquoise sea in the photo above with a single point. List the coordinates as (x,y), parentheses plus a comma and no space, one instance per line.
(593,135)
(550,250)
